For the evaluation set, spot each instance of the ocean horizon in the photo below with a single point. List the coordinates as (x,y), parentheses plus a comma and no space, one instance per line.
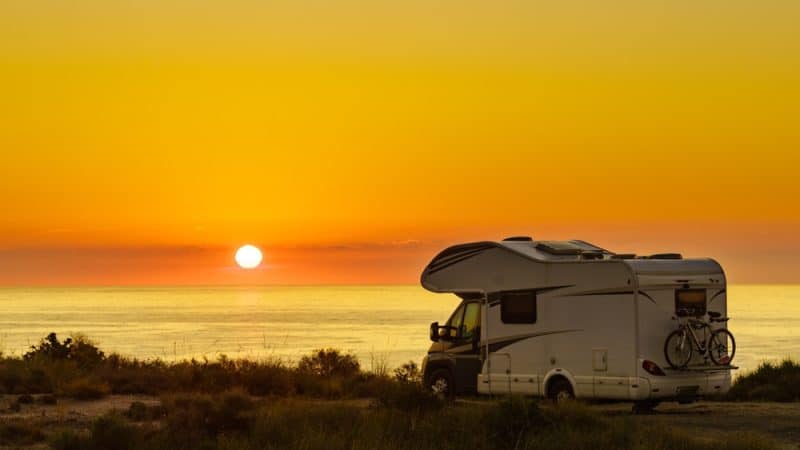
(384,325)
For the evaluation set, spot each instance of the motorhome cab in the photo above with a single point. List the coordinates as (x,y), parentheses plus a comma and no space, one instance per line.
(565,319)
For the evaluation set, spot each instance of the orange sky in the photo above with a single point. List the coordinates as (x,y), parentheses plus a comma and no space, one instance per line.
(141,143)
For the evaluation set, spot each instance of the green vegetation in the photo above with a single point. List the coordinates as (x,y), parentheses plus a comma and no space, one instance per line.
(76,368)
(234,421)
(769,382)
(229,404)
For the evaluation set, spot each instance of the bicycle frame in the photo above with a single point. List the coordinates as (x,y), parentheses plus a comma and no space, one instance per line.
(687,325)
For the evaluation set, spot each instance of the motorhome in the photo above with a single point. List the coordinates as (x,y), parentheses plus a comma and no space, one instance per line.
(564,319)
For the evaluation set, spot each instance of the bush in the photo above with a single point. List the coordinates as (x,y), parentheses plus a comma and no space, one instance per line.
(47,399)
(769,382)
(20,433)
(86,389)
(408,373)
(77,348)
(192,420)
(139,412)
(329,362)
(69,440)
(111,432)
(409,397)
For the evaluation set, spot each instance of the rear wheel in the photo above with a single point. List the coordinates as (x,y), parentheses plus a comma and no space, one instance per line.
(560,391)
(441,384)
(678,349)
(721,347)
(644,406)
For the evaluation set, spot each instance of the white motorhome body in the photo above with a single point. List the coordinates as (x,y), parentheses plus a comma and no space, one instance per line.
(537,317)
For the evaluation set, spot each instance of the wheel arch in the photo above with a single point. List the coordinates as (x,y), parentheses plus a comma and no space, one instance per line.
(436,364)
(558,374)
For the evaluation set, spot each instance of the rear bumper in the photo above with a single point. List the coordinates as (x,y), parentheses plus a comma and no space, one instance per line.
(682,386)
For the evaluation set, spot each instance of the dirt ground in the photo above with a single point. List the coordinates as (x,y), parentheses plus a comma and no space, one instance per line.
(781,421)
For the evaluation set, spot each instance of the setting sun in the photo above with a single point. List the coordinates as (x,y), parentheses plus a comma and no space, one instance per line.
(249,257)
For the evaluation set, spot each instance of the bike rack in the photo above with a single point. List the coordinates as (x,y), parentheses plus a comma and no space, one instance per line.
(705,368)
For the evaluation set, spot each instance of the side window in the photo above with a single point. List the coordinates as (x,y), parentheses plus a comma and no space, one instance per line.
(518,307)
(472,320)
(455,322)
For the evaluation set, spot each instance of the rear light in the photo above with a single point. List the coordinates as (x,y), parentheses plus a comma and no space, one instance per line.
(652,368)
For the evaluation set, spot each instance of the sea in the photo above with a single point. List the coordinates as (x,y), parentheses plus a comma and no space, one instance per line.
(385,326)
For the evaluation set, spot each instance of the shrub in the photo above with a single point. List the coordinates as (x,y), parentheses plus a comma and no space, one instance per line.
(769,382)
(138,411)
(408,397)
(20,433)
(111,432)
(512,419)
(408,373)
(47,399)
(86,388)
(329,362)
(194,419)
(68,439)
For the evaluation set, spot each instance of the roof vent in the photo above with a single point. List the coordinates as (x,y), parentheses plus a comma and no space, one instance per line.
(519,239)
(665,256)
(591,255)
(559,248)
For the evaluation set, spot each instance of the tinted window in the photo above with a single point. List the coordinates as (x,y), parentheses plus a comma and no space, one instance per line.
(691,302)
(455,322)
(518,307)
(472,319)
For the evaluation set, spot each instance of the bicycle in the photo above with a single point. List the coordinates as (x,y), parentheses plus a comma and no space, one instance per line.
(716,344)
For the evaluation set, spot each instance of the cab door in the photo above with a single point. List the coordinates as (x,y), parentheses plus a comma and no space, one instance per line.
(466,349)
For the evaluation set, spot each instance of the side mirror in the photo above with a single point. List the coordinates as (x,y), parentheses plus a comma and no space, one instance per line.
(435,331)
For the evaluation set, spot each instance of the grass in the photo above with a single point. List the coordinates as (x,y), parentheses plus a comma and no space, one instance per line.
(234,421)
(774,382)
(75,368)
(240,404)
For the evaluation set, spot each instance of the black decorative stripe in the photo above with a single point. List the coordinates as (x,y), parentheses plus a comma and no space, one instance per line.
(454,259)
(456,255)
(721,291)
(505,342)
(543,290)
(647,296)
(501,342)
(603,293)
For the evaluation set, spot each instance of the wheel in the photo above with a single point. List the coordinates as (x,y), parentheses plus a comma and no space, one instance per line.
(441,384)
(560,391)
(721,347)
(678,349)
(644,406)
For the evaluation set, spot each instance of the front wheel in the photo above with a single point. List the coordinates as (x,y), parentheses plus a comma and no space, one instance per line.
(678,349)
(721,347)
(441,384)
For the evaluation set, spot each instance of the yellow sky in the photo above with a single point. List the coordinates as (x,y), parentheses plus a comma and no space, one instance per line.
(391,129)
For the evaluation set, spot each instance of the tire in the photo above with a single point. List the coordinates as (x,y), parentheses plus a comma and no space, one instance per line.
(560,391)
(678,349)
(644,406)
(721,347)
(442,384)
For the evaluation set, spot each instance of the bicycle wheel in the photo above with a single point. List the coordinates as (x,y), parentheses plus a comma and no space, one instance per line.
(678,349)
(721,347)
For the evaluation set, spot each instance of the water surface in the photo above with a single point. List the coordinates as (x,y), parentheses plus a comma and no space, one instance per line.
(381,324)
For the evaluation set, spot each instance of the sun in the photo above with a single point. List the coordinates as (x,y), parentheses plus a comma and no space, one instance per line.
(249,257)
